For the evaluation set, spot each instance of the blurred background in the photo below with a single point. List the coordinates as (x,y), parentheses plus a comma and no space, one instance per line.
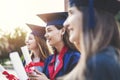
(13,18)
(14,14)
(13,29)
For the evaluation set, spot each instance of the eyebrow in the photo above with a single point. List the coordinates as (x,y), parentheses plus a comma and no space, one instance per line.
(48,29)
(70,11)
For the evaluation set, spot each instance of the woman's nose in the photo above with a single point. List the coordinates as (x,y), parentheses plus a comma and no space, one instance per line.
(46,35)
(26,41)
(66,23)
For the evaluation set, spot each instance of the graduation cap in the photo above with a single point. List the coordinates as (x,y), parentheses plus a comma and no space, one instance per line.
(56,18)
(37,30)
(111,6)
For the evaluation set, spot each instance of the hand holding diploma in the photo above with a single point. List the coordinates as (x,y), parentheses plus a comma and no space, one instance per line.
(29,68)
(37,76)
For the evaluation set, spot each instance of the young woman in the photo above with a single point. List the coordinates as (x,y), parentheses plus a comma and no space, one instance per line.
(37,45)
(92,28)
(65,55)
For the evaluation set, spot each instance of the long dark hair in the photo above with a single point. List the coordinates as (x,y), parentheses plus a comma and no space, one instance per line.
(105,32)
(66,38)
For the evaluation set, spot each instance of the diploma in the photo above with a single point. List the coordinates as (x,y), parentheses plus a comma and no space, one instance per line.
(7,74)
(18,66)
(26,54)
(1,68)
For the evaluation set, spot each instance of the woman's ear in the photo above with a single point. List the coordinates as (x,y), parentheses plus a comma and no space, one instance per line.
(63,31)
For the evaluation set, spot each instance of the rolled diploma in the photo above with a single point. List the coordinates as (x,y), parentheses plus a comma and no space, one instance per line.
(1,68)
(18,66)
(26,54)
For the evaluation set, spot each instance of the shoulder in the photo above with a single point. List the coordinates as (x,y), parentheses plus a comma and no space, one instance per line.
(49,58)
(108,55)
(73,52)
(104,63)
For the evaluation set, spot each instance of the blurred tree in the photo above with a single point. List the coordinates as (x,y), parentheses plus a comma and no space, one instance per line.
(12,42)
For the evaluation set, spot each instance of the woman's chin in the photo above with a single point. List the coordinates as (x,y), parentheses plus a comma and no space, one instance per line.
(50,44)
(71,39)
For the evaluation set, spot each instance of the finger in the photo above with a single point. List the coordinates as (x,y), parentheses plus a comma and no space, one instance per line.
(32,78)
(35,78)
(39,73)
(31,74)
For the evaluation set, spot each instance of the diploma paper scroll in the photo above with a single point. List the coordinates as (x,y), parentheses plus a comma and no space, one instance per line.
(28,60)
(7,74)
(18,66)
(26,54)
(1,68)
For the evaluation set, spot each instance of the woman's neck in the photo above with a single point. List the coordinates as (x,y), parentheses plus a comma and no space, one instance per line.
(36,52)
(59,46)
(77,45)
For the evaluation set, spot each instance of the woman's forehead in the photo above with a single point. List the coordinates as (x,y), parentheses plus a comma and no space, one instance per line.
(50,27)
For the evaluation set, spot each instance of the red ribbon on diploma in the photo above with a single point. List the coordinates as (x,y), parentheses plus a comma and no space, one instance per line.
(9,76)
(29,69)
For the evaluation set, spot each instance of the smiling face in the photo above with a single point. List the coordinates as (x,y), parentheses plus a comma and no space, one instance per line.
(31,42)
(74,24)
(53,35)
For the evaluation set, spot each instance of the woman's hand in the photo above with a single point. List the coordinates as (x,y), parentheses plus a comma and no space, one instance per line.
(37,76)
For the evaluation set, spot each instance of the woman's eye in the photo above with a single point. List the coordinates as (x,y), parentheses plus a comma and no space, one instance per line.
(70,12)
(30,38)
(49,30)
